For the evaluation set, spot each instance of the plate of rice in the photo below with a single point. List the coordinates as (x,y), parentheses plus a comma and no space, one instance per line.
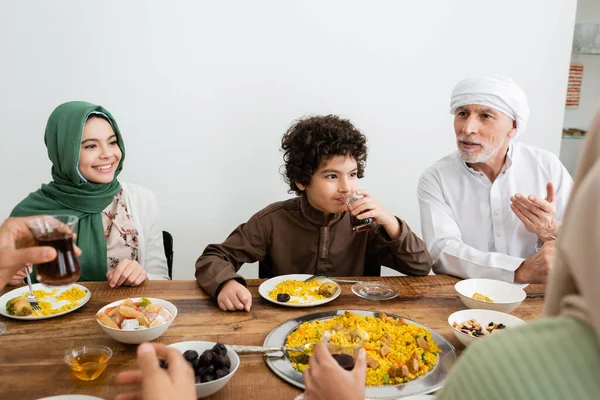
(53,302)
(292,291)
(404,358)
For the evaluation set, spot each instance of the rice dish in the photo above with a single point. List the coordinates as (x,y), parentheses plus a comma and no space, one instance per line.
(397,352)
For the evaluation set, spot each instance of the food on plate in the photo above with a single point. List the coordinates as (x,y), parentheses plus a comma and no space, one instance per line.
(397,352)
(472,327)
(300,291)
(328,289)
(212,364)
(19,306)
(481,297)
(130,316)
(50,302)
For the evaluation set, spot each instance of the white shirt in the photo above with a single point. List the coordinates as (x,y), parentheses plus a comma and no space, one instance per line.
(467,224)
(143,208)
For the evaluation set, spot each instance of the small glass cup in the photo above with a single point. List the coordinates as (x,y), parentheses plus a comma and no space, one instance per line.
(358,225)
(56,231)
(88,362)
(344,346)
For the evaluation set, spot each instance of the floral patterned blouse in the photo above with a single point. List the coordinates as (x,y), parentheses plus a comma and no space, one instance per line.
(119,231)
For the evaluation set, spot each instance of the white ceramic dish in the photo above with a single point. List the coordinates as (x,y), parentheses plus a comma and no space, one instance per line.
(208,388)
(141,335)
(270,284)
(55,303)
(484,317)
(506,296)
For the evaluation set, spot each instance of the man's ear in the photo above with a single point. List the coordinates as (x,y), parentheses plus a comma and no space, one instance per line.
(300,186)
(513,131)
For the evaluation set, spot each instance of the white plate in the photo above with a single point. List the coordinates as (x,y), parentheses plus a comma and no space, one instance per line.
(55,304)
(270,284)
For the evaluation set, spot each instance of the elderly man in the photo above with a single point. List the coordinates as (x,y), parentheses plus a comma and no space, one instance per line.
(493,208)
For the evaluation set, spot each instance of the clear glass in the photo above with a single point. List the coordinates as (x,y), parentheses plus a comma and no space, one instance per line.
(88,362)
(57,231)
(358,225)
(2,328)
(344,346)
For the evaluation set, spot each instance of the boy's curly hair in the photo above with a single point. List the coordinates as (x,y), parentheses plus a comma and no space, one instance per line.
(313,140)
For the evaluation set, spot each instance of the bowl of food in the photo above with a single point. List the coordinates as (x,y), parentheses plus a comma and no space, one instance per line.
(214,364)
(88,362)
(137,320)
(490,294)
(472,325)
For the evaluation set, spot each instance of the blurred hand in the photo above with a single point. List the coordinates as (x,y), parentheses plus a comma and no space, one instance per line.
(175,382)
(537,215)
(18,247)
(326,380)
(126,273)
(369,207)
(536,268)
(18,278)
(234,296)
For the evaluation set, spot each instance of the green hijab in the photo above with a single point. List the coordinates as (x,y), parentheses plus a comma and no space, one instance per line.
(68,193)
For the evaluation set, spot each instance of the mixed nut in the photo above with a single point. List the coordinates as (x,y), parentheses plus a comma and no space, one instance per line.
(473,328)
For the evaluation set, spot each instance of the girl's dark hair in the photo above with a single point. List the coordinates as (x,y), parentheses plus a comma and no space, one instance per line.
(313,140)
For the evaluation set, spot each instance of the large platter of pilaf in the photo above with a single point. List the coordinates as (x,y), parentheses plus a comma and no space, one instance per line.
(402,336)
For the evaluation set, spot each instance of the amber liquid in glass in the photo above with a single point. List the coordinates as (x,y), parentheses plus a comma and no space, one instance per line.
(88,367)
(345,361)
(64,269)
(359,225)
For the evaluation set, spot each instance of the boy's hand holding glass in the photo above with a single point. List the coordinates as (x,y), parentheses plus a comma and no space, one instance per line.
(126,273)
(369,207)
(234,296)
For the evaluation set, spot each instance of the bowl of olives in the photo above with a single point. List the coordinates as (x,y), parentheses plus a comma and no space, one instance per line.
(214,364)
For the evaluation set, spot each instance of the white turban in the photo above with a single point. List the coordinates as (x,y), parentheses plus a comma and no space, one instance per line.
(497,92)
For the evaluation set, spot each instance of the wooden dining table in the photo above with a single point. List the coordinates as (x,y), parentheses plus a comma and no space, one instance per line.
(32,352)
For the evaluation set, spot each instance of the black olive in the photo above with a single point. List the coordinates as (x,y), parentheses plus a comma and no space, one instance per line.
(219,348)
(196,363)
(221,361)
(283,297)
(190,355)
(198,379)
(206,358)
(210,369)
(207,378)
(221,373)
(162,363)
(202,371)
(501,326)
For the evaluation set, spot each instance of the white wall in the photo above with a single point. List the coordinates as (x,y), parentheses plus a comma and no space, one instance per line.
(204,90)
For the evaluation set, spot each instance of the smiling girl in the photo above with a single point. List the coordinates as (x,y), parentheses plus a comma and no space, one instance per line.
(117,230)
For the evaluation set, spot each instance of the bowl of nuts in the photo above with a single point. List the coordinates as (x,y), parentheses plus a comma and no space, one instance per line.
(471,325)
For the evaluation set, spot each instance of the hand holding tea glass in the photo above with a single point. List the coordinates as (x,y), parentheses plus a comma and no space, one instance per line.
(365,210)
(57,231)
(326,380)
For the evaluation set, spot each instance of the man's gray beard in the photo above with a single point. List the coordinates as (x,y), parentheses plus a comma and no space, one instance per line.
(483,156)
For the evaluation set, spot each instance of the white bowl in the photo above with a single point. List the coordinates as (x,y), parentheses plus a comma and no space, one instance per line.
(506,296)
(208,388)
(484,317)
(142,335)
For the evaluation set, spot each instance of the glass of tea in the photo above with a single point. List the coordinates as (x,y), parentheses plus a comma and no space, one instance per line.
(88,362)
(358,225)
(344,346)
(57,231)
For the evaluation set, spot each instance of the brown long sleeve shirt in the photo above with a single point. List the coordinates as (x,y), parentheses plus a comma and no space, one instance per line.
(291,237)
